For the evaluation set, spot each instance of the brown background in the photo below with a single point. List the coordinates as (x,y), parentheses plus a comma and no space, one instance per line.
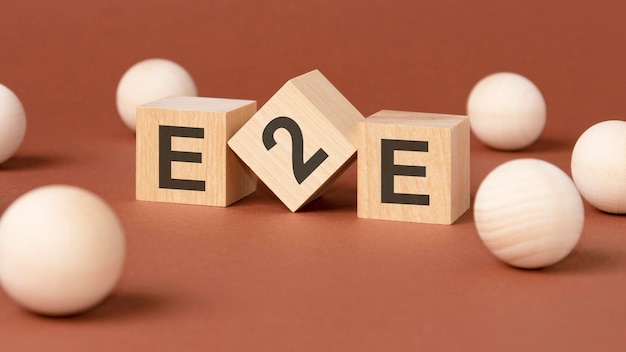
(254,276)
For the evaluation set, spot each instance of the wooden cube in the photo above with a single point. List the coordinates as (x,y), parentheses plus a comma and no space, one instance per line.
(182,155)
(413,167)
(301,139)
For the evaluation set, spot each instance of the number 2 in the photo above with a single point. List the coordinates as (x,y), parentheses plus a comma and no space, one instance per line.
(301,169)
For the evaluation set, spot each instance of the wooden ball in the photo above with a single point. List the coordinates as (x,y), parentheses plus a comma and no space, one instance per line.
(599,166)
(61,250)
(150,80)
(12,123)
(506,111)
(528,213)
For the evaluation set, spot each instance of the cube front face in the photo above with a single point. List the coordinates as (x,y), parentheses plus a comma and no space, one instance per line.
(292,145)
(182,155)
(413,167)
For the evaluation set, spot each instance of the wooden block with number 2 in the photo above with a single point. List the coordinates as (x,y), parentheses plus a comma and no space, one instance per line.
(300,140)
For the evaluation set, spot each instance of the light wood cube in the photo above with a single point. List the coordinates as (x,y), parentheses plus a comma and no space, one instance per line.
(413,167)
(301,139)
(182,155)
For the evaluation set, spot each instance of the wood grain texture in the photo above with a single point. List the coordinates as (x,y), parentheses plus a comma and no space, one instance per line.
(327,121)
(599,166)
(226,179)
(446,162)
(507,111)
(528,213)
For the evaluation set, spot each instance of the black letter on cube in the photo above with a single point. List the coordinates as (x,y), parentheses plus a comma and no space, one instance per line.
(167,155)
(301,169)
(389,169)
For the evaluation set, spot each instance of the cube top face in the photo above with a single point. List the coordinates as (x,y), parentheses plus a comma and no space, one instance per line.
(199,104)
(413,167)
(296,143)
(182,152)
(421,119)
(330,102)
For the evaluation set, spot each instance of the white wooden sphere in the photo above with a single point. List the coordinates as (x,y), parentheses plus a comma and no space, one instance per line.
(61,250)
(506,111)
(528,213)
(150,80)
(12,123)
(599,166)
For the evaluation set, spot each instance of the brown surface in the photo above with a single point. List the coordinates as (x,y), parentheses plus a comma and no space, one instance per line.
(254,276)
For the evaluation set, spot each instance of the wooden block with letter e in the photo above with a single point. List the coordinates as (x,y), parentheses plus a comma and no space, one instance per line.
(301,139)
(182,155)
(413,167)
